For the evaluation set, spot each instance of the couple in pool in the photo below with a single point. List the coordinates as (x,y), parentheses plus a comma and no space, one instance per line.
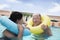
(17,17)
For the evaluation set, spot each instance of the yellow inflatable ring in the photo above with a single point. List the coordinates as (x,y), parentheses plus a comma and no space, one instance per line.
(38,29)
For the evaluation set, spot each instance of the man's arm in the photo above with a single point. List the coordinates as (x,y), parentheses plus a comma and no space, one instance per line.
(8,34)
(20,34)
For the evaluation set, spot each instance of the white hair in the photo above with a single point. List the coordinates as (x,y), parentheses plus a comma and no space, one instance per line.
(37,14)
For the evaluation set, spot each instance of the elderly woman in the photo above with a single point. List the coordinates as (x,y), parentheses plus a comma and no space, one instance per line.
(36,18)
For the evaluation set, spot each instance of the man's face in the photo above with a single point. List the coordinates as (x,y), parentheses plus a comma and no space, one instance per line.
(20,21)
(36,19)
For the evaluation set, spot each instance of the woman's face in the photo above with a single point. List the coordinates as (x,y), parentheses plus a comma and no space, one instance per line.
(36,19)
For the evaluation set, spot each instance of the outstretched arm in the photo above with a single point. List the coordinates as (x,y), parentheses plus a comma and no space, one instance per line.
(47,30)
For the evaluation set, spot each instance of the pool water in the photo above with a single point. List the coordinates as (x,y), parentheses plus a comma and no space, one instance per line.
(55,35)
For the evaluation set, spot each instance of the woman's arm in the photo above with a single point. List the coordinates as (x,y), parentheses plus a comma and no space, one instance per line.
(47,30)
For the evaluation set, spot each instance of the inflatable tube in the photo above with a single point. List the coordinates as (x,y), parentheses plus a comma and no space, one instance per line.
(11,26)
(38,29)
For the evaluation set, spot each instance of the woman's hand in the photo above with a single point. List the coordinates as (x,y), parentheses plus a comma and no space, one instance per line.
(28,28)
(44,27)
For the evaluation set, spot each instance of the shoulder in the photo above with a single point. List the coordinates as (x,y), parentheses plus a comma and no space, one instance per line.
(2,28)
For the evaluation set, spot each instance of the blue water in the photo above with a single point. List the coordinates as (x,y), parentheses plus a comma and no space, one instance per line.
(55,35)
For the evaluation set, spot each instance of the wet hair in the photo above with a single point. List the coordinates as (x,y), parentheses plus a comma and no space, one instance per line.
(15,16)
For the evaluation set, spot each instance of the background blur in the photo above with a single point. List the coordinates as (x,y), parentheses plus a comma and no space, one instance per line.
(55,20)
(28,7)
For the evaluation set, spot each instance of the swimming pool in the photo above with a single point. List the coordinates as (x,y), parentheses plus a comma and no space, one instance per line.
(55,32)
